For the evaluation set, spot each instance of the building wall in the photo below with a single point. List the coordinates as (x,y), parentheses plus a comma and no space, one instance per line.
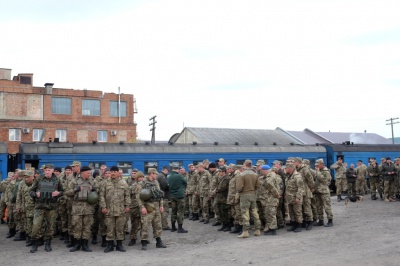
(26,106)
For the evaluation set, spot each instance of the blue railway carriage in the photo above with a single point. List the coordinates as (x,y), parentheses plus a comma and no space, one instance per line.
(351,153)
(3,161)
(144,156)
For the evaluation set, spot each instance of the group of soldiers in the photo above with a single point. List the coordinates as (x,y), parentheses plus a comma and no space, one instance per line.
(269,197)
(78,204)
(384,179)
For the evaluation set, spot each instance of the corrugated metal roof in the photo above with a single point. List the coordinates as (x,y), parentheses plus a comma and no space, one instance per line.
(356,138)
(307,137)
(242,136)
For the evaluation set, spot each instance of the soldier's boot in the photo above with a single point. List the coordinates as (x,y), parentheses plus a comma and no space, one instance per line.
(11,233)
(160,244)
(173,229)
(216,223)
(62,236)
(40,242)
(270,232)
(314,222)
(110,246)
(339,198)
(28,241)
(94,239)
(47,245)
(77,246)
(85,245)
(206,221)
(132,242)
(244,234)
(222,228)
(257,232)
(191,216)
(228,227)
(2,221)
(120,247)
(290,223)
(320,223)
(201,220)
(309,225)
(293,227)
(240,229)
(298,228)
(34,246)
(181,230)
(71,242)
(235,229)
(380,194)
(144,244)
(304,224)
(196,217)
(20,237)
(103,241)
(66,238)
(330,223)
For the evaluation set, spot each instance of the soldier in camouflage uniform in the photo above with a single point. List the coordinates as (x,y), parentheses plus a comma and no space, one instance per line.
(268,195)
(361,180)
(45,191)
(247,185)
(294,196)
(204,180)
(151,209)
(99,182)
(309,185)
(82,211)
(282,212)
(25,204)
(185,175)
(212,169)
(221,196)
(135,210)
(397,179)
(389,172)
(3,186)
(11,197)
(306,162)
(76,168)
(191,193)
(340,175)
(322,193)
(62,204)
(374,179)
(115,201)
(231,200)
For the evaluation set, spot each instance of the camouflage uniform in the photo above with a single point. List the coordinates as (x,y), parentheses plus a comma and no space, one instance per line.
(26,206)
(221,195)
(213,187)
(99,182)
(233,199)
(153,216)
(268,196)
(322,194)
(62,206)
(295,190)
(282,209)
(191,195)
(3,186)
(82,211)
(309,184)
(361,179)
(340,175)
(374,180)
(114,196)
(11,197)
(163,183)
(389,171)
(135,210)
(204,180)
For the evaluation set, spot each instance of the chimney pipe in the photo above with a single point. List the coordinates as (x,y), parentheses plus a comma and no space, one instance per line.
(49,88)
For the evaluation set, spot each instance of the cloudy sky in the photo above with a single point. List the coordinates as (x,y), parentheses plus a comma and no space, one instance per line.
(323,65)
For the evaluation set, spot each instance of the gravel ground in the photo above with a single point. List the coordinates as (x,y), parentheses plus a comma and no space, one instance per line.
(363,234)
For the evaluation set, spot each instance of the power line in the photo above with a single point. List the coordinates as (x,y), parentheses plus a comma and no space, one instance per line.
(391,123)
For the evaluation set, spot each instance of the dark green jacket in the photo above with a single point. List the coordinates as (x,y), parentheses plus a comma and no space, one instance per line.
(177,185)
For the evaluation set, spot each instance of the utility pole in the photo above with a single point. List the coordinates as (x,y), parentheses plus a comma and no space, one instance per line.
(391,123)
(153,129)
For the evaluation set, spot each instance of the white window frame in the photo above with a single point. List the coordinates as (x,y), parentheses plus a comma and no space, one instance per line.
(38,134)
(61,134)
(14,134)
(102,135)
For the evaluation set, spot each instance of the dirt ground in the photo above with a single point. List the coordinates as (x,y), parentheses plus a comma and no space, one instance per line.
(363,235)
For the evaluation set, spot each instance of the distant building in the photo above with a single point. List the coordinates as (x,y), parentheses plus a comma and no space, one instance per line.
(278,136)
(396,140)
(36,114)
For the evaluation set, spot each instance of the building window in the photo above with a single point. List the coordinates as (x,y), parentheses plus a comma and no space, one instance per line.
(102,136)
(61,106)
(14,134)
(38,134)
(114,109)
(91,107)
(61,134)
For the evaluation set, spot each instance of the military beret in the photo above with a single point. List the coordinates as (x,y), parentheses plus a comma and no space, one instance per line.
(212,165)
(265,167)
(58,169)
(48,166)
(388,158)
(260,162)
(114,168)
(68,167)
(85,168)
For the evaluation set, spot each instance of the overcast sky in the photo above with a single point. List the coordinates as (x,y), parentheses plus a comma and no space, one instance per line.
(322,65)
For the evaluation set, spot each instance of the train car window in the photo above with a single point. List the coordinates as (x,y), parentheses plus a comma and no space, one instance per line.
(96,165)
(126,167)
(148,165)
(178,162)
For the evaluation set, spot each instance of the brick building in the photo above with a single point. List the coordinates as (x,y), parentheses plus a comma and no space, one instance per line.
(42,114)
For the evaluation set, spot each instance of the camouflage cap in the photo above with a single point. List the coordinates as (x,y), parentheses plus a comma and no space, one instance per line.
(231,166)
(48,166)
(42,167)
(221,160)
(21,173)
(150,171)
(306,161)
(289,165)
(319,161)
(199,165)
(238,166)
(260,162)
(298,160)
(76,163)
(277,162)
(140,174)
(28,173)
